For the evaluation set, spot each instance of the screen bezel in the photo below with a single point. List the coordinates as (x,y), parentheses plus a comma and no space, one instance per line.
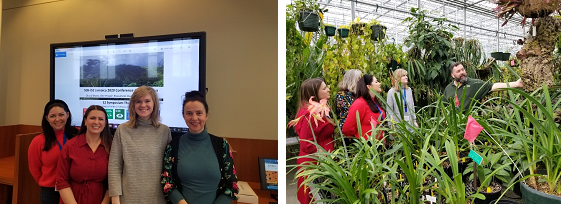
(132,40)
(263,175)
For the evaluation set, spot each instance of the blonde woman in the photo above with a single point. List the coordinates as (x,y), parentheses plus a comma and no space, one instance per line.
(404,93)
(135,161)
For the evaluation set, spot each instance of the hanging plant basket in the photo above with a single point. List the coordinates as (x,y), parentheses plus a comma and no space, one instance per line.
(330,30)
(500,56)
(378,32)
(343,32)
(537,8)
(358,28)
(392,66)
(308,21)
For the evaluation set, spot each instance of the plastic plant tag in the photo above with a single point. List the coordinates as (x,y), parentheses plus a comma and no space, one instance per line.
(431,199)
(463,160)
(488,189)
(478,159)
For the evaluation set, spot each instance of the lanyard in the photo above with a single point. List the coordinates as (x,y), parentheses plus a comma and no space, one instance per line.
(380,111)
(404,97)
(63,142)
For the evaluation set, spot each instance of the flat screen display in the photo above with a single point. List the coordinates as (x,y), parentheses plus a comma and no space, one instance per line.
(107,72)
(269,173)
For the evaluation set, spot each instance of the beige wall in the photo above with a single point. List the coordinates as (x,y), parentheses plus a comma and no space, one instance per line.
(241,53)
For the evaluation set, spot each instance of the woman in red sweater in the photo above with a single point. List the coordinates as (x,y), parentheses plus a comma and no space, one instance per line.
(44,150)
(323,130)
(369,109)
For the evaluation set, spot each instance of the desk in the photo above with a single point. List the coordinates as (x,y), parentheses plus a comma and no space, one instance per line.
(7,170)
(263,196)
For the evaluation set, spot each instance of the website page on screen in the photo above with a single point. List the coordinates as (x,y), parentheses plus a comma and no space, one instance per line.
(271,170)
(107,75)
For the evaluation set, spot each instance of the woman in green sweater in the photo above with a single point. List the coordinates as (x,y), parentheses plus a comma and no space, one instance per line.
(198,166)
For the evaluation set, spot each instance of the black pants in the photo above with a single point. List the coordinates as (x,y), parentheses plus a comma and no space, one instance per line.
(49,196)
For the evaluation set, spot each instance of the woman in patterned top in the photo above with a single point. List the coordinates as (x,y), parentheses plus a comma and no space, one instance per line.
(198,166)
(345,97)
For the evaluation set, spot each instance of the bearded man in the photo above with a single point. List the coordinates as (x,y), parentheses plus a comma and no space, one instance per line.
(475,89)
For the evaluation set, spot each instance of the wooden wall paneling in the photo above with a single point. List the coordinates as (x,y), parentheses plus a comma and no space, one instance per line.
(27,190)
(5,194)
(8,140)
(247,153)
(24,129)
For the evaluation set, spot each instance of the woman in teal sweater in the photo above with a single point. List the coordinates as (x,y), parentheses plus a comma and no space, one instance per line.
(198,166)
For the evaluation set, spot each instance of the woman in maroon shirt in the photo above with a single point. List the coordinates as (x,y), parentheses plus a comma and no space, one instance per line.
(369,109)
(82,166)
(323,131)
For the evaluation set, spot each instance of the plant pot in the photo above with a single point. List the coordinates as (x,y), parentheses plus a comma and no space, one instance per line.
(392,65)
(488,196)
(503,201)
(532,196)
(343,32)
(537,8)
(497,55)
(358,28)
(378,32)
(308,21)
(506,56)
(330,30)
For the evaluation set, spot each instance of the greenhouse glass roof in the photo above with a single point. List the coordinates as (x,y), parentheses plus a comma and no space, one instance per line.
(474,18)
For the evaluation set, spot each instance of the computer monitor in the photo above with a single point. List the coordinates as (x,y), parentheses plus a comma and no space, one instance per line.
(268,173)
(107,72)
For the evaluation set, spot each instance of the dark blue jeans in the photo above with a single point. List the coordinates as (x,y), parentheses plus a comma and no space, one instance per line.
(49,196)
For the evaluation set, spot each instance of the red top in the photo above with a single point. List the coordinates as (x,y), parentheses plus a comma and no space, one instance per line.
(84,171)
(323,132)
(324,136)
(365,115)
(42,164)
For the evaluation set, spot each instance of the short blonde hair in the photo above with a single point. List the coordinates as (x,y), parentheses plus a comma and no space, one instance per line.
(136,95)
(397,74)
(348,83)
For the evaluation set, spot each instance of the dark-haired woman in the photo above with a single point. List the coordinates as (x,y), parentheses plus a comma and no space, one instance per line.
(198,166)
(323,131)
(44,150)
(369,109)
(82,166)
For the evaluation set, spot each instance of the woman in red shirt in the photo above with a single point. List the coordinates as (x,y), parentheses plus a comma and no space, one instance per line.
(323,131)
(369,109)
(82,166)
(45,148)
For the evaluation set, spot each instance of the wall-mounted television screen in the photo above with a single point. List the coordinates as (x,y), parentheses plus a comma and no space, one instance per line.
(269,173)
(107,72)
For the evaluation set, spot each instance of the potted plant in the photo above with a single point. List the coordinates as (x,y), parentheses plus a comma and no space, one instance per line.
(343,31)
(309,15)
(330,30)
(378,30)
(534,127)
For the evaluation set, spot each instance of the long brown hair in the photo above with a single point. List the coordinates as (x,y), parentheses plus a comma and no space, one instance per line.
(309,88)
(105,134)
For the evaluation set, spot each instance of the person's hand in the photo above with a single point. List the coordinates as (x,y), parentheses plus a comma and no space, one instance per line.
(416,125)
(182,202)
(519,83)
